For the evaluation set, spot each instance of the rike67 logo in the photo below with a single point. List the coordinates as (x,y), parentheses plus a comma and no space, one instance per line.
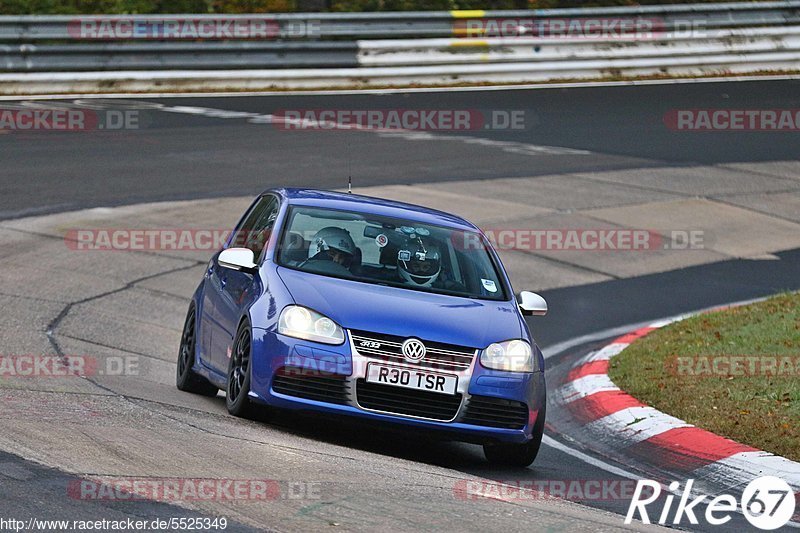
(767,503)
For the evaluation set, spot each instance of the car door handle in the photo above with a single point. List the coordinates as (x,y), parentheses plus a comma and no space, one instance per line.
(223,281)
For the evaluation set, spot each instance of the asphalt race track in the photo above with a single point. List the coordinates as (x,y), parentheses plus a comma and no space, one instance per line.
(205,157)
(224,149)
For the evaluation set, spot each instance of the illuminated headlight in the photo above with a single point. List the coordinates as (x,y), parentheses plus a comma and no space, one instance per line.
(511,356)
(302,323)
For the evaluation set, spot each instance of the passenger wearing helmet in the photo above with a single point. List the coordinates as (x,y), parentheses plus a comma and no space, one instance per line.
(332,244)
(419,263)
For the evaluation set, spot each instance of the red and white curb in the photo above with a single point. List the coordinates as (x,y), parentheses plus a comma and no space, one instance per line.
(644,433)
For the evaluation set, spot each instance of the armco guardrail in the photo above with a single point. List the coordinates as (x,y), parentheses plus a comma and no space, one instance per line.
(183,55)
(450,51)
(430,24)
(98,53)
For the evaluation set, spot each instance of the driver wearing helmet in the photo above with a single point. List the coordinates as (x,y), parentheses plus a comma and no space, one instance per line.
(418,263)
(332,244)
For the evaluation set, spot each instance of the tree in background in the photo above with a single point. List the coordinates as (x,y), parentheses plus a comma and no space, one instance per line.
(262,6)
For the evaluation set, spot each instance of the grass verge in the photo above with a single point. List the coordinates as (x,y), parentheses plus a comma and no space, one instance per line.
(716,371)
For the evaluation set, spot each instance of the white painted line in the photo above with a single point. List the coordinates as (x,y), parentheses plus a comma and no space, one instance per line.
(561,347)
(588,459)
(513,147)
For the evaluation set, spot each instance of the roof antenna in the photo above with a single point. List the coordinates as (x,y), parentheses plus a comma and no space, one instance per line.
(349,170)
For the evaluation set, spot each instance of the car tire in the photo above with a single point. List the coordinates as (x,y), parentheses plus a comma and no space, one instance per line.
(238,384)
(185,378)
(517,455)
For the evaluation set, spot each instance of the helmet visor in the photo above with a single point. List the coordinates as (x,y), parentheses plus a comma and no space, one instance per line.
(427,267)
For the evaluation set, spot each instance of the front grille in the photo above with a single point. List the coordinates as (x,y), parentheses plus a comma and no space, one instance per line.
(408,402)
(298,382)
(439,356)
(495,412)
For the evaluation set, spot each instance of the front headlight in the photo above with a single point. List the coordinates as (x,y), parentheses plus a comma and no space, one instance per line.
(511,356)
(301,323)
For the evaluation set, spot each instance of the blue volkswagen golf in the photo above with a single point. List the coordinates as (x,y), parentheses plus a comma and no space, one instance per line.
(346,304)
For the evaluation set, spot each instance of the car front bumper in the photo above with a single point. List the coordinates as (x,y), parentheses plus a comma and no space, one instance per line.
(489,405)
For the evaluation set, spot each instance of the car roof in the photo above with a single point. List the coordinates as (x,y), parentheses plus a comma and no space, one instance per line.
(371,205)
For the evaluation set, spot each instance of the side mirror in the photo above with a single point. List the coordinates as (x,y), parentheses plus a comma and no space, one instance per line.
(241,259)
(531,304)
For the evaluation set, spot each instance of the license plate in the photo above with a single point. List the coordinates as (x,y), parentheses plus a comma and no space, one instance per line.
(410,378)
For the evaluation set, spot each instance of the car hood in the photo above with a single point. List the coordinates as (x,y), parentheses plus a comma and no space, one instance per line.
(404,312)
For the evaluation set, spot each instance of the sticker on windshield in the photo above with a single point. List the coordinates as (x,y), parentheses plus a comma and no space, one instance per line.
(489,285)
(404,255)
(381,240)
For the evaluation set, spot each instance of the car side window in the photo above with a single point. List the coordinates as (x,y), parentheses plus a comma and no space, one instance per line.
(255,231)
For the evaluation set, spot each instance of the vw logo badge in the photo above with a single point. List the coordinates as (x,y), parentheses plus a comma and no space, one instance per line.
(413,350)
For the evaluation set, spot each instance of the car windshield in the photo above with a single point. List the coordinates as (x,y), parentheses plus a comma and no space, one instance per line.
(389,251)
